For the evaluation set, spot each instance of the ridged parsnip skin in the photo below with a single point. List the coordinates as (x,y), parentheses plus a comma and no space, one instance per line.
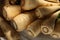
(45,3)
(56,1)
(56,32)
(22,20)
(9,12)
(8,31)
(34,29)
(29,4)
(44,11)
(47,26)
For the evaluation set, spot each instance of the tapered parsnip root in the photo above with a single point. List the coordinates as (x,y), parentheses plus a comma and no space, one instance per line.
(44,11)
(29,4)
(34,29)
(47,26)
(56,32)
(9,12)
(44,3)
(21,21)
(8,31)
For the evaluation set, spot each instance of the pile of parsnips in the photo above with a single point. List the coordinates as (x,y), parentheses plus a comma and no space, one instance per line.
(32,16)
